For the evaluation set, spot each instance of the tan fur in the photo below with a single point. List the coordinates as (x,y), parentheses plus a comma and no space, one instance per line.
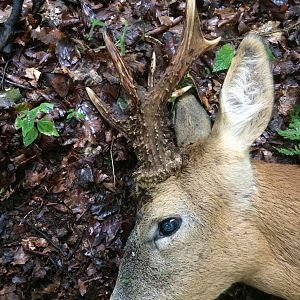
(240,219)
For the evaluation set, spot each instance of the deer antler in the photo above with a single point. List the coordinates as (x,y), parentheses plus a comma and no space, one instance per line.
(147,127)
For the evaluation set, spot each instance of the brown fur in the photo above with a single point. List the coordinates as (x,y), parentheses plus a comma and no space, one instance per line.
(240,219)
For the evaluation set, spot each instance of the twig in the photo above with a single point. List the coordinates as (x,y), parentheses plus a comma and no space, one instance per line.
(44,236)
(3,74)
(92,279)
(34,252)
(159,30)
(112,161)
(22,86)
(76,246)
(86,210)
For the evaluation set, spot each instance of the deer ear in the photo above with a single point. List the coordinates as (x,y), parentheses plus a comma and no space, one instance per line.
(247,95)
(192,122)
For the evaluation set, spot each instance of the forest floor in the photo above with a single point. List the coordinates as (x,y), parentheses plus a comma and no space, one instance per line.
(65,204)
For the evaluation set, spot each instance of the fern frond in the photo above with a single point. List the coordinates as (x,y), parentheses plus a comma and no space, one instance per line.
(289,151)
(292,133)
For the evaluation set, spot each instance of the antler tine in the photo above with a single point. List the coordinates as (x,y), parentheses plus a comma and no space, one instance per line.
(106,112)
(125,76)
(193,44)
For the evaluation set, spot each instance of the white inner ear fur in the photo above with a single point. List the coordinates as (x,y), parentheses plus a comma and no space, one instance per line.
(247,95)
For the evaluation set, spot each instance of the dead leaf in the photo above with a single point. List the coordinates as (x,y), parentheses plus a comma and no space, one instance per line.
(82,287)
(20,257)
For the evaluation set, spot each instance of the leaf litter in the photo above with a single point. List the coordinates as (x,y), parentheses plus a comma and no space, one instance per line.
(65,205)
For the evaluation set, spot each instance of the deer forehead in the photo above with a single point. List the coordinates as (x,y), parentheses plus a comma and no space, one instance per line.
(169,197)
(227,185)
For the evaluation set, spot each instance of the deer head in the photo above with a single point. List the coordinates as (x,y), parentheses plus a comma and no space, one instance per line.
(204,221)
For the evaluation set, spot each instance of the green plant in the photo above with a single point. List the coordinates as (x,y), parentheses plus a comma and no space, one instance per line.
(292,133)
(72,113)
(225,55)
(11,94)
(122,103)
(121,40)
(32,125)
(270,54)
(223,58)
(94,24)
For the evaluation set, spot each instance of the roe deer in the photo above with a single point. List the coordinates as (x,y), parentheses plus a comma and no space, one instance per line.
(209,216)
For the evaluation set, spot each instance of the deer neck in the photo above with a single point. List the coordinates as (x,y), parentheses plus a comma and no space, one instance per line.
(277,209)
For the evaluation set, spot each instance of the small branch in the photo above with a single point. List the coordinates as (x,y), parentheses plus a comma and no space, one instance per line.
(34,252)
(13,83)
(3,73)
(44,236)
(69,23)
(112,161)
(92,279)
(76,246)
(162,29)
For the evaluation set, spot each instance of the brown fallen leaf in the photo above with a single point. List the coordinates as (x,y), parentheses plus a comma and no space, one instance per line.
(20,257)
(82,287)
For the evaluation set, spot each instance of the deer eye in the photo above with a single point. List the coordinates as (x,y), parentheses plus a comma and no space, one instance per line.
(169,226)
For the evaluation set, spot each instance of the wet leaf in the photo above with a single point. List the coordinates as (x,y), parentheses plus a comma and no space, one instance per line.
(26,124)
(47,127)
(123,104)
(223,58)
(12,95)
(30,137)
(45,107)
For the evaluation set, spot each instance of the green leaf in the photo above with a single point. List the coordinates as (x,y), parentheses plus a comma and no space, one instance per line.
(123,104)
(289,151)
(80,115)
(30,136)
(71,114)
(97,23)
(24,106)
(293,130)
(45,107)
(291,134)
(185,81)
(32,113)
(47,127)
(11,94)
(27,125)
(223,58)
(19,122)
(121,40)
(270,54)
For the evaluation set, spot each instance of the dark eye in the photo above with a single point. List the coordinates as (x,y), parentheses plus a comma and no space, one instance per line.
(169,226)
